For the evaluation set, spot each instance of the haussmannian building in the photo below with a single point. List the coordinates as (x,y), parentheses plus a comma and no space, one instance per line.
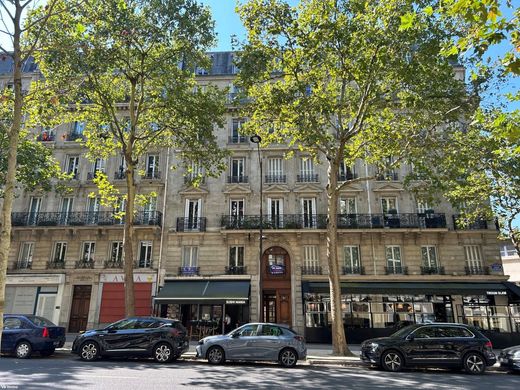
(197,248)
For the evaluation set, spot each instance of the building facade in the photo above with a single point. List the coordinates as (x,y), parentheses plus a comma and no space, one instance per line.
(197,248)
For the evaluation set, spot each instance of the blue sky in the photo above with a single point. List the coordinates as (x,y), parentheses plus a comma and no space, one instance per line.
(227,22)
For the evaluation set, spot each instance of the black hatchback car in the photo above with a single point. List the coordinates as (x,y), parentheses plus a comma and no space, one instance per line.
(431,345)
(161,338)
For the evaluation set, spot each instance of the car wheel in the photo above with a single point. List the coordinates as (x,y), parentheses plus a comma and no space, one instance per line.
(23,350)
(392,361)
(216,355)
(474,363)
(89,351)
(288,357)
(163,353)
(47,352)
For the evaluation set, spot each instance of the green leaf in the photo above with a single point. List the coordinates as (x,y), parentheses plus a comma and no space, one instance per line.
(407,21)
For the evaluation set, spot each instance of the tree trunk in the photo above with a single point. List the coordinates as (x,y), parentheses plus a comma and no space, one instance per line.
(339,341)
(10,180)
(128,240)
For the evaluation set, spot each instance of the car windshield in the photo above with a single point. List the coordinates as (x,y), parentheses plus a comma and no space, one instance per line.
(401,333)
(40,321)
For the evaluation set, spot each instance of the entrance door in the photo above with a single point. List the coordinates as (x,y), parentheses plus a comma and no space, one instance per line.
(276,286)
(270,308)
(80,308)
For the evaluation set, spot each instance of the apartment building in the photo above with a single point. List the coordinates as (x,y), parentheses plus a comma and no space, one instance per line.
(197,247)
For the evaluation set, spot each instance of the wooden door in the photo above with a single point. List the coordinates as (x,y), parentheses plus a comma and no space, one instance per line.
(80,308)
(284,307)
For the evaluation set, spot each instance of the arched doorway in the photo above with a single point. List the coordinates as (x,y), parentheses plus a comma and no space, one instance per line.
(276,286)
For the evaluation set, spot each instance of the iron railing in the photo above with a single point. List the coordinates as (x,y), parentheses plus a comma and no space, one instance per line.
(286,221)
(55,264)
(311,270)
(238,179)
(356,270)
(190,178)
(150,175)
(113,263)
(347,176)
(85,263)
(237,139)
(46,137)
(432,270)
(81,218)
(269,179)
(120,175)
(479,224)
(191,224)
(23,264)
(476,270)
(92,175)
(397,269)
(236,270)
(307,178)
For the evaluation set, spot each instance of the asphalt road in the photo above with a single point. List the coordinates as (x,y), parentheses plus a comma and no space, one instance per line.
(64,371)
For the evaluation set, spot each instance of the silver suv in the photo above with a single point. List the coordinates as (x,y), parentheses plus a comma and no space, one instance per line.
(255,341)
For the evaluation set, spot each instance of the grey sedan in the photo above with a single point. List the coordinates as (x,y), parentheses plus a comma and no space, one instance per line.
(255,341)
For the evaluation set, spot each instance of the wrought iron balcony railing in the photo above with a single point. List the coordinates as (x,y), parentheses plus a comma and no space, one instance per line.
(237,139)
(85,263)
(92,175)
(270,179)
(236,270)
(432,270)
(55,265)
(479,224)
(113,263)
(311,270)
(347,176)
(191,224)
(23,264)
(120,175)
(286,221)
(238,179)
(152,175)
(387,176)
(357,270)
(82,218)
(143,263)
(476,270)
(189,271)
(398,269)
(307,178)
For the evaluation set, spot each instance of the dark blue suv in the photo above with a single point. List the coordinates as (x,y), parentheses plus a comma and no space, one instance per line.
(161,338)
(24,334)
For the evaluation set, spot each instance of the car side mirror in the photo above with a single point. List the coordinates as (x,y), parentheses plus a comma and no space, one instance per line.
(410,337)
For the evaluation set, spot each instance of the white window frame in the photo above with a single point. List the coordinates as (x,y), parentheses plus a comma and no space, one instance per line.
(311,257)
(393,261)
(72,166)
(145,254)
(25,258)
(309,219)
(88,251)
(429,256)
(277,217)
(275,166)
(351,257)
(59,252)
(116,247)
(422,207)
(236,256)
(152,165)
(386,202)
(190,256)
(347,205)
(238,164)
(473,254)
(306,167)
(35,205)
(192,213)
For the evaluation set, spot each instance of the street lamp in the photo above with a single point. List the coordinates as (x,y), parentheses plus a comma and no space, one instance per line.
(256,139)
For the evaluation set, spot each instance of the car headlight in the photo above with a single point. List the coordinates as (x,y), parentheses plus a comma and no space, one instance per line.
(201,341)
(516,355)
(373,346)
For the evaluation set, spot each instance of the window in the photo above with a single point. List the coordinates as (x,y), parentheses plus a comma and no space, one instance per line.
(426,332)
(237,170)
(388,205)
(34,209)
(236,256)
(351,259)
(97,166)
(12,323)
(26,255)
(275,170)
(393,257)
(310,256)
(270,330)
(236,137)
(93,205)
(306,170)
(275,212)
(145,254)
(88,251)
(66,210)
(429,256)
(72,166)
(309,212)
(152,166)
(346,172)
(387,172)
(507,250)
(150,208)
(453,332)
(78,127)
(192,214)
(190,256)
(116,252)
(60,249)
(247,330)
(473,257)
(422,207)
(347,206)
(194,171)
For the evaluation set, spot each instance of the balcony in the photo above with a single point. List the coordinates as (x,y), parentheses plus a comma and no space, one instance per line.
(347,176)
(189,271)
(236,270)
(120,175)
(238,179)
(387,176)
(379,221)
(143,263)
(46,137)
(311,270)
(271,179)
(82,218)
(71,137)
(92,175)
(432,270)
(191,224)
(396,270)
(114,263)
(152,175)
(286,221)
(85,264)
(56,264)
(476,270)
(23,264)
(479,224)
(307,178)
(237,139)
(356,270)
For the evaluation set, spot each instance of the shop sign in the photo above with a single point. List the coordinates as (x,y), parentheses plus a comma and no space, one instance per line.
(496,267)
(496,292)
(277,269)
(236,302)
(120,278)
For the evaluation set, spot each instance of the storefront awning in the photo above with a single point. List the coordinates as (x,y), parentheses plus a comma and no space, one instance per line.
(413,288)
(204,292)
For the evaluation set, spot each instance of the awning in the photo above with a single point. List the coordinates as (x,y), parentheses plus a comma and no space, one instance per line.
(412,288)
(204,292)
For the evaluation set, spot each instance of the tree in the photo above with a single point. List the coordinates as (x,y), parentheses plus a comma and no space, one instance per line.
(14,120)
(127,70)
(343,80)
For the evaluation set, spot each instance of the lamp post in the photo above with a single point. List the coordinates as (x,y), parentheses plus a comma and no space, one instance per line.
(256,139)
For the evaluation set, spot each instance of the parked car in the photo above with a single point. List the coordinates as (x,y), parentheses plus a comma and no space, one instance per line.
(161,338)
(255,341)
(24,334)
(509,358)
(431,345)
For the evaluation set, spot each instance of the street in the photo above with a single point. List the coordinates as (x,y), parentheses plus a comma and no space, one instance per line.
(64,371)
